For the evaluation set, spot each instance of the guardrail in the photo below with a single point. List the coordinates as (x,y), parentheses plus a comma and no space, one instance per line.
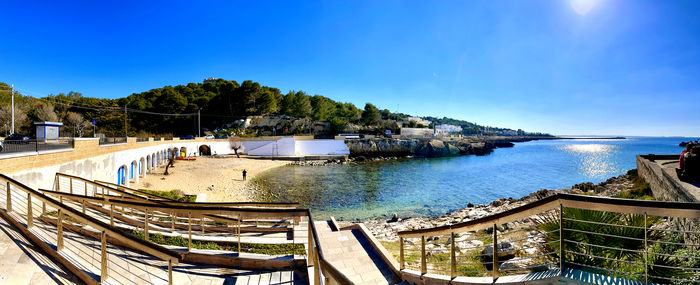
(144,204)
(630,239)
(35,145)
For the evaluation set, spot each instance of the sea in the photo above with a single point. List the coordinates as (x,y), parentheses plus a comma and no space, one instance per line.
(435,186)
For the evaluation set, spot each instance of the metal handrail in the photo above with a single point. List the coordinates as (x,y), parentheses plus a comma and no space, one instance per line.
(654,208)
(173,201)
(327,268)
(557,203)
(604,224)
(151,197)
(184,210)
(155,250)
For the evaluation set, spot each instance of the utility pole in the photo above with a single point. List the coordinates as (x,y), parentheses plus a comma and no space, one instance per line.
(126,132)
(13,110)
(199,123)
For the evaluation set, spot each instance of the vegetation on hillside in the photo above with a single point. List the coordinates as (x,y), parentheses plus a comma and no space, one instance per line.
(219,102)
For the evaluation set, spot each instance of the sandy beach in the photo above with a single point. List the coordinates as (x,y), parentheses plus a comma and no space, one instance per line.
(196,177)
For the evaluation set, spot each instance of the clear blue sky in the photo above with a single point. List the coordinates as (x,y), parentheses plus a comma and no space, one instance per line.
(604,67)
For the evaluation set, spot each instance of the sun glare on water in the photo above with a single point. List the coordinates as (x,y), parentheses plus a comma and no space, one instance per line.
(582,7)
(595,160)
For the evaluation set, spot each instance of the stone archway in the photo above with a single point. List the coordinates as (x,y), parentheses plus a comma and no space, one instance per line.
(204,150)
(122,176)
(142,167)
(183,152)
(134,171)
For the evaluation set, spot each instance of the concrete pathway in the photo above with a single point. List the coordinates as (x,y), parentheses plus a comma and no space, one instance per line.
(351,253)
(23,263)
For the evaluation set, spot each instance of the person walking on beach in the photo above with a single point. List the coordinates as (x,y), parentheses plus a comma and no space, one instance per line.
(244,173)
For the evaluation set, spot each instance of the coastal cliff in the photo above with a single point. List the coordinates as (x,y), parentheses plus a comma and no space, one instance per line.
(416,147)
(427,147)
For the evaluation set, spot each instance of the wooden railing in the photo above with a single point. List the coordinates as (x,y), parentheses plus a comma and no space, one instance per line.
(174,202)
(64,212)
(230,212)
(556,203)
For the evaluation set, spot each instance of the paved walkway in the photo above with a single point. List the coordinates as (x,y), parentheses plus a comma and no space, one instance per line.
(351,253)
(23,263)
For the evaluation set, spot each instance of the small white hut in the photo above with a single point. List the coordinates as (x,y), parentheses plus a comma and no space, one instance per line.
(47,130)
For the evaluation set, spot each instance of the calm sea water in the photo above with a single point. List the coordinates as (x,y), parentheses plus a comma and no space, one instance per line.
(434,186)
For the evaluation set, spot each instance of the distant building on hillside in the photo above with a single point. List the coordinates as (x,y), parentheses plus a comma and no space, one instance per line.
(419,120)
(211,79)
(417,132)
(497,131)
(446,129)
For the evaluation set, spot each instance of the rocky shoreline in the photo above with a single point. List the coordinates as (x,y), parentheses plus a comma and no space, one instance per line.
(430,147)
(385,229)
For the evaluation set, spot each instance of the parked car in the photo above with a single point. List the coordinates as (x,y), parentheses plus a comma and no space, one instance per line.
(209,137)
(187,137)
(17,138)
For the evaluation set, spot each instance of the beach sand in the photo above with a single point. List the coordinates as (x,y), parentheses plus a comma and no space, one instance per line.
(195,177)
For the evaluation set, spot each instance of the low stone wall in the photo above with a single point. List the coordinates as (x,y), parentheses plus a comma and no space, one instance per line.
(659,171)
(664,181)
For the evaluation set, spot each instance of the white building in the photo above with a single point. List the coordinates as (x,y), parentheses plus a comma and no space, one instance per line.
(47,130)
(446,129)
(419,120)
(417,132)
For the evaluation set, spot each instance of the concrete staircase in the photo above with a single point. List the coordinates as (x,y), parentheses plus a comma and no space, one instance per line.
(351,252)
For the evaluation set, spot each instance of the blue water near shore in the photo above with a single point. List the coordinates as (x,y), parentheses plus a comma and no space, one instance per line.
(434,186)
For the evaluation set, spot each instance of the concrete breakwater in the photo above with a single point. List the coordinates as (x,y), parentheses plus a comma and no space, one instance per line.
(426,147)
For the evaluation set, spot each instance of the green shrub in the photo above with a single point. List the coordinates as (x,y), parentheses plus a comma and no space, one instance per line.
(268,249)
(175,194)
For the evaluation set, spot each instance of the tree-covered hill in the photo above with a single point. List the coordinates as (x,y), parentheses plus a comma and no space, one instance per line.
(174,109)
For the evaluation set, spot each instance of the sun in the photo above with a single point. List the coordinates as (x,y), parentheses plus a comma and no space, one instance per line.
(582,7)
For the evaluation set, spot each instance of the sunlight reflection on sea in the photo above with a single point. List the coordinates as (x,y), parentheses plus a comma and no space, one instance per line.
(594,159)
(435,186)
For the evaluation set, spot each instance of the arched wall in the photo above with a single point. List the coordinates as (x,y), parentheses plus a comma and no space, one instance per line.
(105,167)
(90,160)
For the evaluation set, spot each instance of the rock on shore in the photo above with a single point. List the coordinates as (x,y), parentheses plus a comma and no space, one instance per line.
(416,147)
(385,229)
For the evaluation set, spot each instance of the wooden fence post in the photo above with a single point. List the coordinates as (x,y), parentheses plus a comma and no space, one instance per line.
(59,231)
(30,218)
(495,252)
(9,197)
(402,264)
(104,275)
(423,262)
(453,257)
